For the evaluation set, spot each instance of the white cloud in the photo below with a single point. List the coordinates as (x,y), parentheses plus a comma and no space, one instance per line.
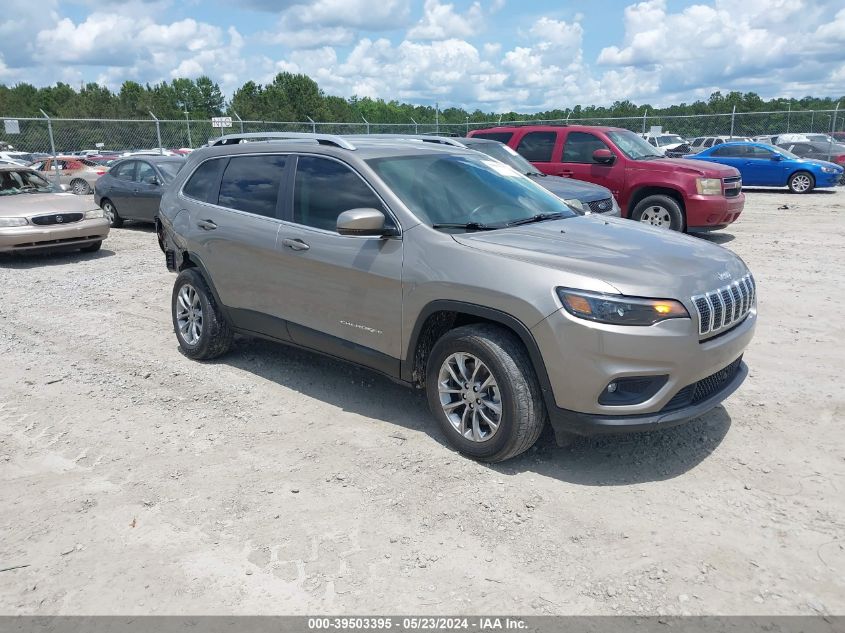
(441,22)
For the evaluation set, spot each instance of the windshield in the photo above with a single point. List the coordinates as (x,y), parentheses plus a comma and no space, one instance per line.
(458,189)
(24,181)
(169,170)
(506,155)
(820,138)
(669,139)
(633,146)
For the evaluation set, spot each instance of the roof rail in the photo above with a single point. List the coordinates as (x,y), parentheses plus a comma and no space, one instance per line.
(425,138)
(322,139)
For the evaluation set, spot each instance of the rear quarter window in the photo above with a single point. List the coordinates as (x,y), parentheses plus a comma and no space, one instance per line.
(203,182)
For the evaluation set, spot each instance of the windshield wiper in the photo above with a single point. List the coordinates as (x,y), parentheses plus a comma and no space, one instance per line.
(469,226)
(534,173)
(540,217)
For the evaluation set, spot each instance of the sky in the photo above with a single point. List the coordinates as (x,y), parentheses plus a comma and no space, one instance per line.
(495,55)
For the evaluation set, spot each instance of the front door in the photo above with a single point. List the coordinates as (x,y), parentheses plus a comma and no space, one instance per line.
(344,293)
(578,162)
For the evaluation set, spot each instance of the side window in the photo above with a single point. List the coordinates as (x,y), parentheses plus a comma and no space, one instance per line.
(579,147)
(652,141)
(145,174)
(37,166)
(758,152)
(251,184)
(726,151)
(718,141)
(696,142)
(123,171)
(326,188)
(538,146)
(502,137)
(201,185)
(708,142)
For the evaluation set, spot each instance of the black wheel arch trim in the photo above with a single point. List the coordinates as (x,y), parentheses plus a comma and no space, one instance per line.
(198,264)
(490,314)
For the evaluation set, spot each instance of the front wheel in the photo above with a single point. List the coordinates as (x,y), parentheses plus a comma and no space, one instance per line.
(483,391)
(201,329)
(801,182)
(662,211)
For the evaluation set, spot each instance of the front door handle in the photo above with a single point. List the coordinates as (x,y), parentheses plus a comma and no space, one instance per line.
(208,225)
(567,173)
(297,245)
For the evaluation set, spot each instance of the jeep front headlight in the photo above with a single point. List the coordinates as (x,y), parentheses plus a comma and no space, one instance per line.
(619,309)
(708,186)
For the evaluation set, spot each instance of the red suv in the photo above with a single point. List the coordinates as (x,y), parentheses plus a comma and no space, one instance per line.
(684,195)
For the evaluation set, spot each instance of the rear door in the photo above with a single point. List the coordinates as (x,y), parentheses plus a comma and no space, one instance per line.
(344,293)
(577,162)
(542,149)
(120,187)
(234,210)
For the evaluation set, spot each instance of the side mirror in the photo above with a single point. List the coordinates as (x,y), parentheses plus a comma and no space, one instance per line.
(361,222)
(777,157)
(604,157)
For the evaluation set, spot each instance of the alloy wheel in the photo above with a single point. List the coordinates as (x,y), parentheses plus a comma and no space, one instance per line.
(800,183)
(470,397)
(656,216)
(189,314)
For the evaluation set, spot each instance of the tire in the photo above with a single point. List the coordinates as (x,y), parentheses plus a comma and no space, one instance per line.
(208,334)
(801,182)
(661,211)
(502,356)
(80,187)
(111,214)
(92,248)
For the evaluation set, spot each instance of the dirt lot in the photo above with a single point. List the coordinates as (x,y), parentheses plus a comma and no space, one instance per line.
(274,481)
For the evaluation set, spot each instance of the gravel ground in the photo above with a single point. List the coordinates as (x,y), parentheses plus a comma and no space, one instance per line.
(136,481)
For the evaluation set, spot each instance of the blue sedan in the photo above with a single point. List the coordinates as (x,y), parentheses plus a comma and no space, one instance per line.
(768,166)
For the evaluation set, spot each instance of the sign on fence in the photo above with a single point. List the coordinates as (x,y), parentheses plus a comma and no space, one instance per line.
(221,121)
(12,126)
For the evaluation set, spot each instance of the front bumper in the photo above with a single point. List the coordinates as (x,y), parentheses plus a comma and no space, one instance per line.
(829,180)
(712,212)
(581,358)
(30,238)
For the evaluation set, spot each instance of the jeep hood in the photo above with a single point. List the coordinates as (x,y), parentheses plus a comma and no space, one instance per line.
(635,259)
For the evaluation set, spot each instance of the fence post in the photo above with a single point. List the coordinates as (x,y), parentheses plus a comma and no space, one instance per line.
(467,126)
(645,114)
(313,125)
(788,115)
(238,117)
(832,130)
(416,126)
(158,133)
(500,119)
(568,114)
(436,117)
(367,122)
(733,116)
(52,145)
(188,123)
(812,119)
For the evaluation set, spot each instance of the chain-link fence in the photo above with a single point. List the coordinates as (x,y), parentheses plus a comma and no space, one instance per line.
(61,136)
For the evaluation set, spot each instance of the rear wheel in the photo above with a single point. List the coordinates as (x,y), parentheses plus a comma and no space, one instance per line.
(801,182)
(80,187)
(111,214)
(201,329)
(662,211)
(483,391)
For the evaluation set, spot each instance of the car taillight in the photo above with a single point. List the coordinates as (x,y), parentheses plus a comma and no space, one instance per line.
(840,159)
(100,172)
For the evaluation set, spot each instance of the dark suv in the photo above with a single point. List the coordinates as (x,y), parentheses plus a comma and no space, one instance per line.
(443,268)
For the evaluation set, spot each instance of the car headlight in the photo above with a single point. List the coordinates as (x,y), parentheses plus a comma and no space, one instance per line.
(576,204)
(94,214)
(619,309)
(829,170)
(708,186)
(8,222)
(617,212)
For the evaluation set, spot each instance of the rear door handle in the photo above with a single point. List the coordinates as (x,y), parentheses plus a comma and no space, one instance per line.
(297,245)
(566,173)
(208,225)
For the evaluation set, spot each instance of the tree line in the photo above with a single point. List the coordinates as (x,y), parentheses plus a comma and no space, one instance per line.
(297,97)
